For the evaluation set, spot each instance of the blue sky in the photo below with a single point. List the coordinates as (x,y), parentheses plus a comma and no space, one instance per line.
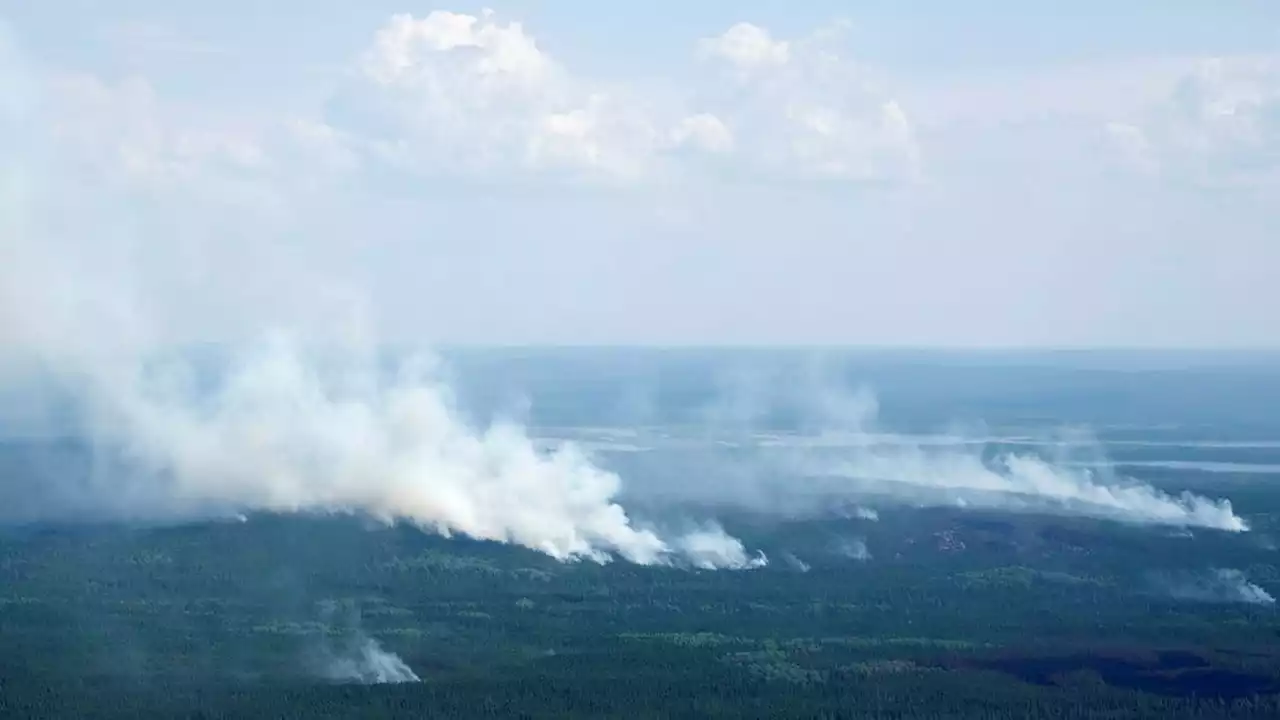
(973,173)
(929,34)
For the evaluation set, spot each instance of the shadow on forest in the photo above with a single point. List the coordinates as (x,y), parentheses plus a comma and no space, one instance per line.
(1168,673)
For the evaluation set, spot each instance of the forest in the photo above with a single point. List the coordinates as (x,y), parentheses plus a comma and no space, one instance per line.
(919,614)
(891,610)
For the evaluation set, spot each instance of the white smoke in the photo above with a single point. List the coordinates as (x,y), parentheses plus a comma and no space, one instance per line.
(863,513)
(796,563)
(365,662)
(95,302)
(840,458)
(853,548)
(710,547)
(357,657)
(1013,482)
(1220,585)
(285,435)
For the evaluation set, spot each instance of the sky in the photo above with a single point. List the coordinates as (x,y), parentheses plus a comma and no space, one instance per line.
(941,173)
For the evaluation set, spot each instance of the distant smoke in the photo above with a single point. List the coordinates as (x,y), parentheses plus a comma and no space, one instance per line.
(837,458)
(853,548)
(1221,585)
(307,419)
(359,658)
(866,514)
(710,548)
(1012,482)
(310,419)
(364,661)
(795,563)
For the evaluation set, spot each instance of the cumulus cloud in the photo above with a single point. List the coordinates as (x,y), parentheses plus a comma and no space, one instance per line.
(703,131)
(805,109)
(452,93)
(127,135)
(747,47)
(120,128)
(1220,122)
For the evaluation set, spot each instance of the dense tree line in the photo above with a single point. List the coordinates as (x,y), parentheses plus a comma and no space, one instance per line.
(947,697)
(222,621)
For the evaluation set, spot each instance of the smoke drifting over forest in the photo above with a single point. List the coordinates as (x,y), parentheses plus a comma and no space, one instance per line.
(306,417)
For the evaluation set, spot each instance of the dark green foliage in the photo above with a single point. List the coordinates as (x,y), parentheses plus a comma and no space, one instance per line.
(1034,618)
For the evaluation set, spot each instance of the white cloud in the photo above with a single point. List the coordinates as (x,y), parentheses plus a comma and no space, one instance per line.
(703,131)
(121,129)
(140,40)
(460,94)
(128,136)
(456,93)
(340,129)
(1219,123)
(747,47)
(805,110)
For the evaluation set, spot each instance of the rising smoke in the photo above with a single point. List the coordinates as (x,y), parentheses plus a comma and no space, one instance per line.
(94,302)
(362,660)
(837,460)
(854,548)
(97,302)
(796,563)
(1219,585)
(354,657)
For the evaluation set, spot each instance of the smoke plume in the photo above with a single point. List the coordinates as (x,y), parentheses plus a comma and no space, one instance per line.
(796,563)
(709,548)
(305,416)
(356,657)
(308,415)
(834,458)
(1220,585)
(365,662)
(853,548)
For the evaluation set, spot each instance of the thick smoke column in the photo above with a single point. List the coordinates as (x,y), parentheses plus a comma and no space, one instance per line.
(281,434)
(96,304)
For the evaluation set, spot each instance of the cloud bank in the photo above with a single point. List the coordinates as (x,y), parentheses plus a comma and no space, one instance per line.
(1218,125)
(478,98)
(477,95)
